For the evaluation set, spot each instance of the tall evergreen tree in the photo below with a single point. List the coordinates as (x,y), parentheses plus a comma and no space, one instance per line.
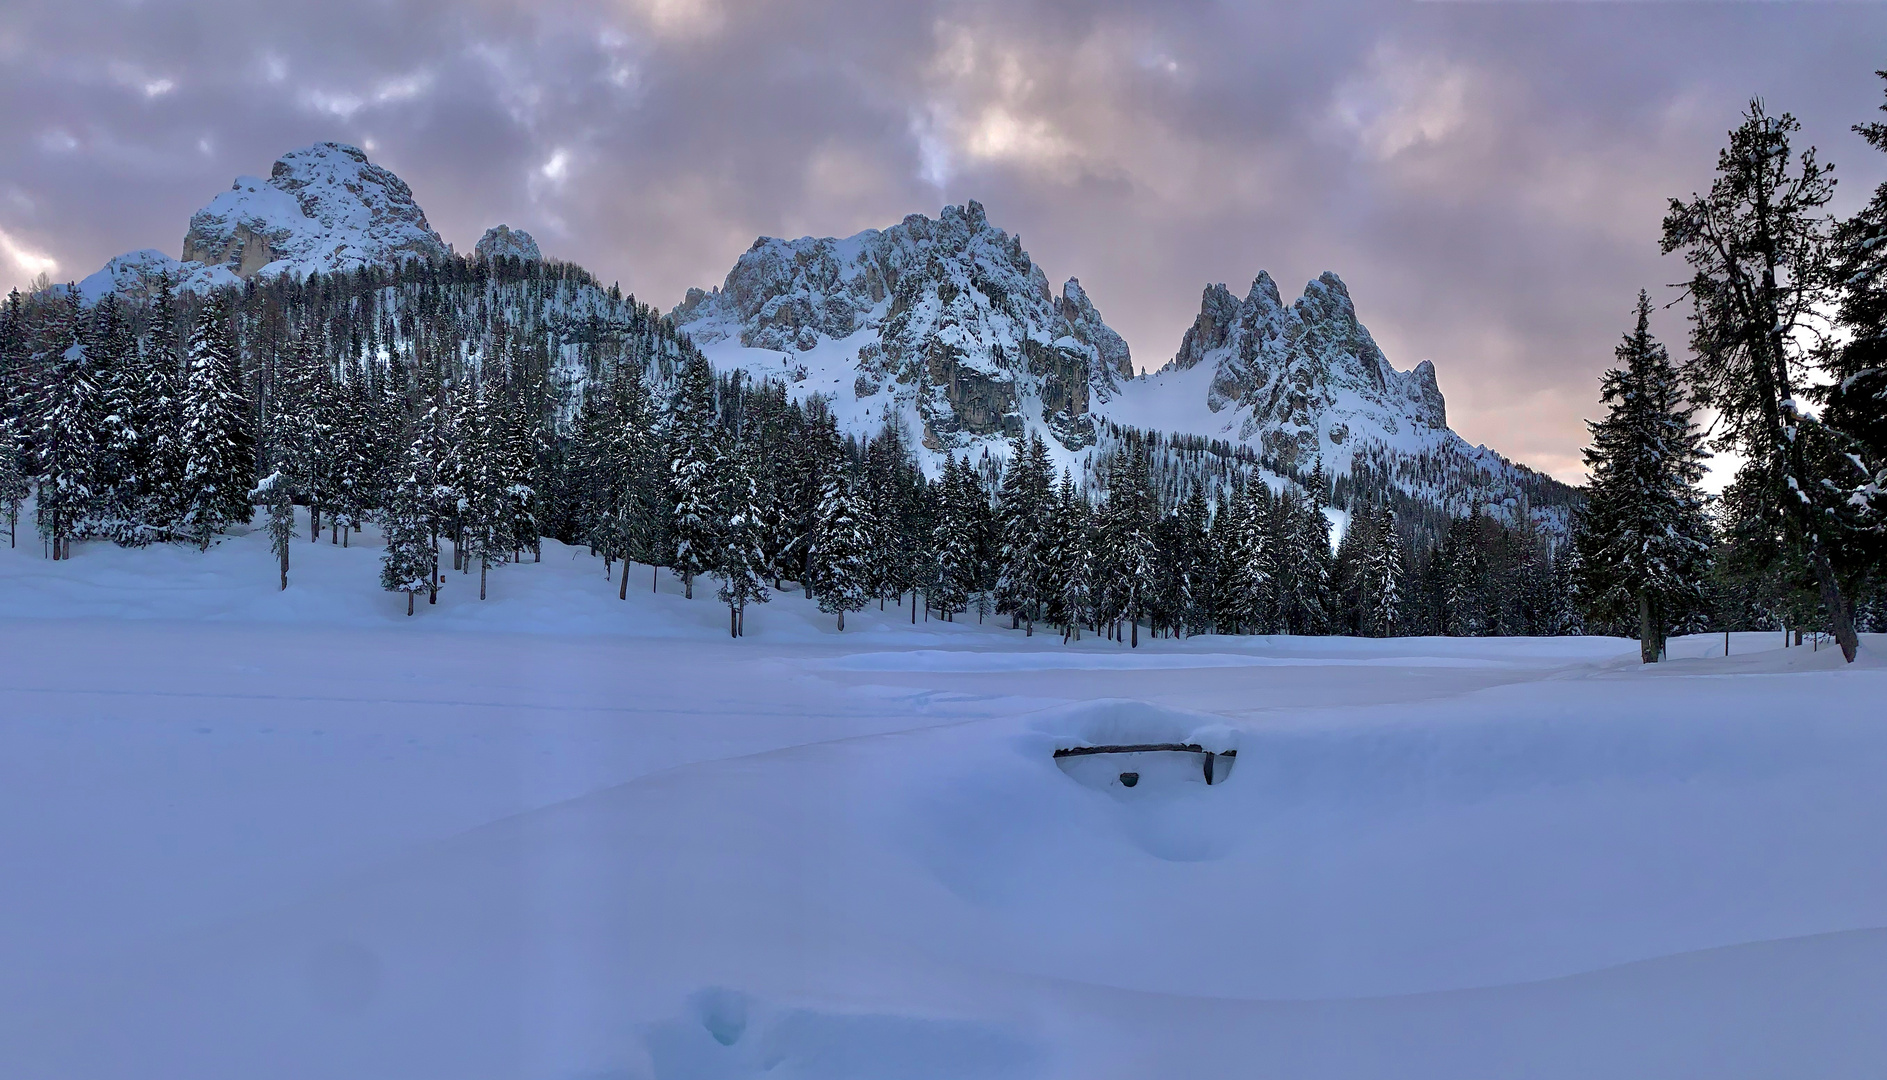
(842,547)
(692,468)
(1645,541)
(410,563)
(741,565)
(219,463)
(1758,246)
(67,440)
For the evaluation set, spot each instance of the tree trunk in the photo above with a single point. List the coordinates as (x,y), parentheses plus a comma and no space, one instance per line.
(841,622)
(409,605)
(1840,617)
(733,621)
(481,579)
(314,523)
(284,563)
(622,591)
(1136,634)
(687,586)
(913,607)
(655,579)
(1647,630)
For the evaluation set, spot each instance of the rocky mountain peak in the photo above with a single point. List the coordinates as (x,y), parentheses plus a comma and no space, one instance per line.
(1305,382)
(945,320)
(323,208)
(502,241)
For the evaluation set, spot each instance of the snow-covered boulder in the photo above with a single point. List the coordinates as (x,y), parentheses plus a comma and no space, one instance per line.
(947,321)
(502,241)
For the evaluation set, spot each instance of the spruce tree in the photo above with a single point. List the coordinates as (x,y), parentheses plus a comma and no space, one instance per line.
(741,565)
(1645,542)
(692,467)
(219,462)
(954,539)
(842,547)
(410,564)
(278,496)
(15,483)
(67,443)
(1126,540)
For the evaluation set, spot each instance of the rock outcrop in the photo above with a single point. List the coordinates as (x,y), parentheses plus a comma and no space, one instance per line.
(948,320)
(502,241)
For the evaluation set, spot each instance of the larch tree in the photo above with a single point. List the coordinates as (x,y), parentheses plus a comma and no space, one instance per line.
(1757,244)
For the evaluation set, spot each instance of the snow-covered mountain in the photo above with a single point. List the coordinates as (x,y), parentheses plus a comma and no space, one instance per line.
(951,326)
(324,208)
(1305,385)
(945,322)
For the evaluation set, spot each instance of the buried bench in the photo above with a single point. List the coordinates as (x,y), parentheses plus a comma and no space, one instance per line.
(1129,779)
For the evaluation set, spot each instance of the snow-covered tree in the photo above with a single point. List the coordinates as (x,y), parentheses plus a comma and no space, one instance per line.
(1645,543)
(741,564)
(410,563)
(842,546)
(1027,491)
(1127,541)
(693,460)
(1758,247)
(219,462)
(66,446)
(278,497)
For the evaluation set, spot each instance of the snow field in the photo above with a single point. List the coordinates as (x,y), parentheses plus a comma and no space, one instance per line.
(559,835)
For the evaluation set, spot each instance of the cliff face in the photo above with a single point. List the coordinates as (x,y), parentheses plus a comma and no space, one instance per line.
(945,321)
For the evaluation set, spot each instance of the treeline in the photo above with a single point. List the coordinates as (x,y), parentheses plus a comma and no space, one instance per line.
(471,410)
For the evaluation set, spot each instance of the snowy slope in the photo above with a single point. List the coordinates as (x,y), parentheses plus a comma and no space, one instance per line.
(557,834)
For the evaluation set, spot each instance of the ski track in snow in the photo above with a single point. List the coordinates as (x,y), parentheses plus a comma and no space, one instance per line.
(558,835)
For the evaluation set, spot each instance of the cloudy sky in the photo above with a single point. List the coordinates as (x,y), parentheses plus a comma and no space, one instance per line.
(1487,177)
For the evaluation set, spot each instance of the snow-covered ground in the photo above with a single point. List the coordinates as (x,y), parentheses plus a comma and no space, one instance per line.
(556,835)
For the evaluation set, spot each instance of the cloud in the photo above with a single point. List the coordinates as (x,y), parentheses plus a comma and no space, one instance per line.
(1487,178)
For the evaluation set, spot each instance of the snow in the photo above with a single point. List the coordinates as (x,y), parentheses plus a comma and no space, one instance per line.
(557,835)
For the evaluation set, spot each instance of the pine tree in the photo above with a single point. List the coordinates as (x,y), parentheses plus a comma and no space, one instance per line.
(1382,576)
(741,565)
(1645,542)
(160,424)
(1854,392)
(117,370)
(954,539)
(67,444)
(410,563)
(15,484)
(842,547)
(1069,560)
(692,469)
(1127,543)
(219,465)
(275,493)
(1026,490)
(1758,244)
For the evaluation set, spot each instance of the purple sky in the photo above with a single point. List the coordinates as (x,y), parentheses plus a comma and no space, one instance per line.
(1487,177)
